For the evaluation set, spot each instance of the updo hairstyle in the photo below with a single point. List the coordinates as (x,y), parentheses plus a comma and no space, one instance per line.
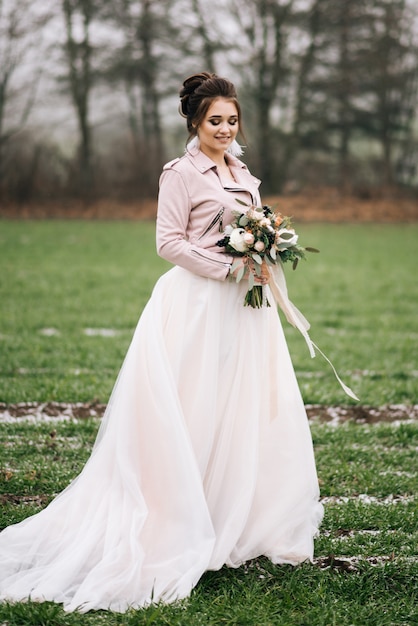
(197,94)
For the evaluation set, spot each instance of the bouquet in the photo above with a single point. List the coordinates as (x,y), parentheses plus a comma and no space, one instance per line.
(259,237)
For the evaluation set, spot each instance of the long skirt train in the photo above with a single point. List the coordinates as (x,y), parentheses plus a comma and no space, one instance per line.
(204,457)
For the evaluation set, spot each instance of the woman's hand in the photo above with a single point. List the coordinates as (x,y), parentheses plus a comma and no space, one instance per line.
(249,264)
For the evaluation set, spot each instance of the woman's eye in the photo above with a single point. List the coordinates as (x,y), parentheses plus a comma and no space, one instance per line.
(232,122)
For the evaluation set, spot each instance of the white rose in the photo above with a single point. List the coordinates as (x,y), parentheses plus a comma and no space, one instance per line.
(285,238)
(265,222)
(259,246)
(255,215)
(236,240)
(228,229)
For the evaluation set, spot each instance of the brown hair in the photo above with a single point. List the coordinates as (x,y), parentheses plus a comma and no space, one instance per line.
(197,94)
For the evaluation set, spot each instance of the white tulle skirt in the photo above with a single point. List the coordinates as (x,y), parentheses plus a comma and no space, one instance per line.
(204,458)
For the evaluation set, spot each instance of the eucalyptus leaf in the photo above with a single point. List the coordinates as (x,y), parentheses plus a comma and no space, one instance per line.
(240,274)
(309,249)
(295,263)
(273,253)
(243,220)
(257,258)
(241,202)
(251,280)
(236,264)
(287,236)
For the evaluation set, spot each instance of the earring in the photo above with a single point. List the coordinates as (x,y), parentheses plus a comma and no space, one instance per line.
(235,149)
(193,144)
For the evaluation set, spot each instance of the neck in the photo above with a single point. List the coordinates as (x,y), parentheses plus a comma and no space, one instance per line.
(217,157)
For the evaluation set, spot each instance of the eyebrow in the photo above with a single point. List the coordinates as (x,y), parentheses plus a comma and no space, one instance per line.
(213,117)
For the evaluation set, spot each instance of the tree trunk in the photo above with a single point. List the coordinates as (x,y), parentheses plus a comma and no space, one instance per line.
(209,47)
(293,142)
(151,121)
(344,94)
(80,77)
(272,19)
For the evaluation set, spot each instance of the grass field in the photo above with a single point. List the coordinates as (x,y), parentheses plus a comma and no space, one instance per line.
(366,568)
(70,296)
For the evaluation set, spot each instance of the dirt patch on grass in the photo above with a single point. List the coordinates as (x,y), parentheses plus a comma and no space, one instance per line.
(51,411)
(362,414)
(314,206)
(37,500)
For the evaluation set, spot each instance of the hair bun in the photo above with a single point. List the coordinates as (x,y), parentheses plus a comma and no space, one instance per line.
(197,94)
(190,85)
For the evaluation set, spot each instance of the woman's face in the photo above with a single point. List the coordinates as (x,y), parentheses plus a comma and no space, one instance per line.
(219,127)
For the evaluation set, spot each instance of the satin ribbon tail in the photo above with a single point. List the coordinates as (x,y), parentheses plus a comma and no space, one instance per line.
(346,388)
(295,318)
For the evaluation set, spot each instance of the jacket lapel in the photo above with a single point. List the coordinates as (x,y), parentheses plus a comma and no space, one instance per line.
(244,179)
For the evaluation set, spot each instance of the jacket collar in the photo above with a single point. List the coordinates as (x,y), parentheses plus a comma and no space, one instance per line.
(203,163)
(199,159)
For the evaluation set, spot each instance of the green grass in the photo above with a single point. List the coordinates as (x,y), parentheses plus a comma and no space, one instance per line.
(360,295)
(70,276)
(40,459)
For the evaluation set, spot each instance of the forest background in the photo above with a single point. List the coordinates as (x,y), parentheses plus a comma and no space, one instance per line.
(88,100)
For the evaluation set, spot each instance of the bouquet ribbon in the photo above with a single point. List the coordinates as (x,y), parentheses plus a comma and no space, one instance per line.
(278,289)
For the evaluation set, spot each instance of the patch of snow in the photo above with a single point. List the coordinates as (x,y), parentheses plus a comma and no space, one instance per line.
(365,498)
(348,534)
(50,332)
(101,332)
(397,473)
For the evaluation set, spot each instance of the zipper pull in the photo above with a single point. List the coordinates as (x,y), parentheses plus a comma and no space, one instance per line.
(221,219)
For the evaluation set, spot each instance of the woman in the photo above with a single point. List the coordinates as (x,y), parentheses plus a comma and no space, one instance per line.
(204,456)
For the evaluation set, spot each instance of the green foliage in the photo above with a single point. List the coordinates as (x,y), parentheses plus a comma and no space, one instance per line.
(360,295)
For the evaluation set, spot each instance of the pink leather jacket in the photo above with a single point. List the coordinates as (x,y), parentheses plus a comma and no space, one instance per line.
(194,206)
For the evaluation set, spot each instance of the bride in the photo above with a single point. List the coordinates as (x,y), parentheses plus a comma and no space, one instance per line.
(204,456)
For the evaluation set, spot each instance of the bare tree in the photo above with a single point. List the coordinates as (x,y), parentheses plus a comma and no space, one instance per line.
(333,87)
(80,78)
(356,82)
(264,65)
(306,22)
(393,83)
(209,45)
(138,63)
(20,28)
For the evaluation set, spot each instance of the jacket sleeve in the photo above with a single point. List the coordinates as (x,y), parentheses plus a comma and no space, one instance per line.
(174,206)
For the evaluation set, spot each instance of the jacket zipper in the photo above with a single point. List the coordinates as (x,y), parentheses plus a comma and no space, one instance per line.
(209,259)
(216,219)
(253,197)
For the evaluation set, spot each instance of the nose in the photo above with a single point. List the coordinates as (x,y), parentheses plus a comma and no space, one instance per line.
(224,128)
